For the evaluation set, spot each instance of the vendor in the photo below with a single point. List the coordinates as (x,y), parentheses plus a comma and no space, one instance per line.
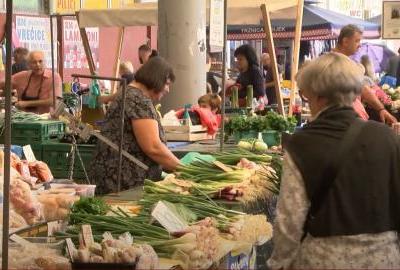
(250,73)
(143,134)
(34,86)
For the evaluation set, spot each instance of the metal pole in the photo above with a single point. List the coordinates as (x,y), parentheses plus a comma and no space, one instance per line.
(53,82)
(121,142)
(120,148)
(223,78)
(7,135)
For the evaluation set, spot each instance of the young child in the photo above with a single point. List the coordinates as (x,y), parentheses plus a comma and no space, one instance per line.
(210,101)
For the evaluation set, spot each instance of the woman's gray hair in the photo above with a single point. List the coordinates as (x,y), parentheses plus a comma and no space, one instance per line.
(333,76)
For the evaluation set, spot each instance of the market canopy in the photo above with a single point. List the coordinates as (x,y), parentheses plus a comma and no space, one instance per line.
(376,19)
(146,14)
(318,24)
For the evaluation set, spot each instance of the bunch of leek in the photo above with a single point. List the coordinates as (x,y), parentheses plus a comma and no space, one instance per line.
(234,156)
(200,171)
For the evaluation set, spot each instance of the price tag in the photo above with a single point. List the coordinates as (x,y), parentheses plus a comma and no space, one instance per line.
(70,248)
(87,235)
(55,226)
(19,240)
(168,219)
(29,155)
(222,166)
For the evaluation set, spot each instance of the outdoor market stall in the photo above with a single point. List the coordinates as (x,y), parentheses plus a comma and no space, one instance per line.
(237,175)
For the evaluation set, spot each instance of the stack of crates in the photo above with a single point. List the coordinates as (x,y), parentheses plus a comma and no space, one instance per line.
(44,138)
(34,133)
(58,157)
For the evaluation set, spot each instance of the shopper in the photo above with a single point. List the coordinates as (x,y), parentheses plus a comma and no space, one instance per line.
(348,44)
(20,56)
(143,134)
(35,86)
(369,68)
(269,79)
(250,73)
(338,206)
(393,64)
(145,53)
(126,71)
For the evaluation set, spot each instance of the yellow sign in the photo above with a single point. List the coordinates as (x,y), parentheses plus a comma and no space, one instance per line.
(95,4)
(66,6)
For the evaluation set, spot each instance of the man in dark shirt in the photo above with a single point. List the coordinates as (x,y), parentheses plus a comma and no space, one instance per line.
(20,60)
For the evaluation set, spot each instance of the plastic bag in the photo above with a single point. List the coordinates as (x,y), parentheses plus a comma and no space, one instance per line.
(94,93)
(193,156)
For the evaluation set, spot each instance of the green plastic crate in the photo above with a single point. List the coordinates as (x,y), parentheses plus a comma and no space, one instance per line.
(37,150)
(58,157)
(23,133)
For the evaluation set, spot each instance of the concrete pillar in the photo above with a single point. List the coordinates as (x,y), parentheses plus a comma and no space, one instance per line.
(182,42)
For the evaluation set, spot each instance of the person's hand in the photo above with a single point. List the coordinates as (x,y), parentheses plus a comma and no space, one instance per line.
(21,104)
(386,117)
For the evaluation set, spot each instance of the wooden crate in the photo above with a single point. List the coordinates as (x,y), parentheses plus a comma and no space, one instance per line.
(186,132)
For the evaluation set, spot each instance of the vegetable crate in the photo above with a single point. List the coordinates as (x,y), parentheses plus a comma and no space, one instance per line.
(185,132)
(23,133)
(58,157)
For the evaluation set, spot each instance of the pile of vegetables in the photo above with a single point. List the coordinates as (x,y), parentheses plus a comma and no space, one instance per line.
(18,116)
(119,251)
(270,121)
(255,145)
(246,182)
(210,230)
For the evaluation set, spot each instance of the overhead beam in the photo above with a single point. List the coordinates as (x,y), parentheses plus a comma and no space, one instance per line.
(296,54)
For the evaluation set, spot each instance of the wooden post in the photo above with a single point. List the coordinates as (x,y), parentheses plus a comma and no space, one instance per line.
(296,54)
(60,47)
(86,46)
(118,58)
(271,50)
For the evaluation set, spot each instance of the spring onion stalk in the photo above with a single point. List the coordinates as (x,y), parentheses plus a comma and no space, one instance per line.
(199,171)
(234,156)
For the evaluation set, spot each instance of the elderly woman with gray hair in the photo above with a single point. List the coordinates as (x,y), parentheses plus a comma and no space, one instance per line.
(339,205)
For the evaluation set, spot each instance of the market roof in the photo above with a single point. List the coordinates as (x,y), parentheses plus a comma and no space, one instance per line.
(376,19)
(145,14)
(318,23)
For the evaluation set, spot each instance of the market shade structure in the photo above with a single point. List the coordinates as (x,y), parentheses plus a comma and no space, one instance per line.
(318,24)
(376,19)
(240,12)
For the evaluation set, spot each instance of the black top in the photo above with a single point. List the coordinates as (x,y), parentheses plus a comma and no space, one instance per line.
(18,67)
(364,195)
(270,91)
(252,76)
(213,82)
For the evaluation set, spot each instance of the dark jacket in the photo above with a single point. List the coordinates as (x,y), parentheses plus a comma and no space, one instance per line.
(364,197)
